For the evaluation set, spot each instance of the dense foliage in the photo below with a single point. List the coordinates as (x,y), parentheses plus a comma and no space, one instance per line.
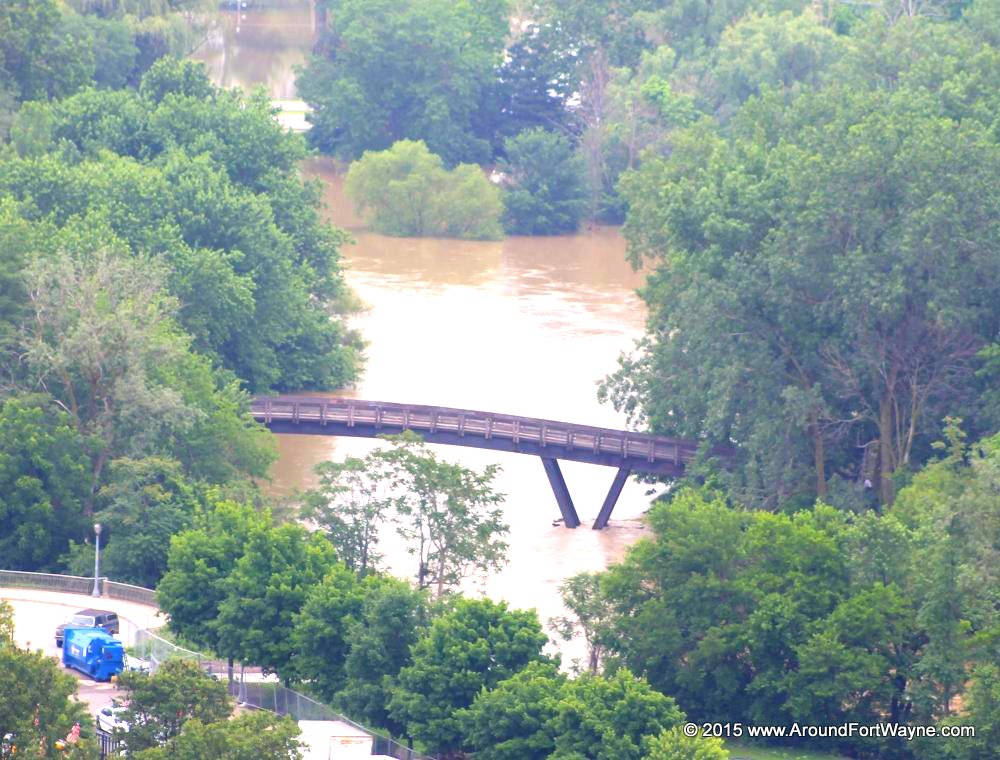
(159,705)
(417,70)
(206,182)
(814,263)
(547,191)
(819,617)
(180,712)
(251,736)
(37,703)
(406,190)
(159,258)
(51,49)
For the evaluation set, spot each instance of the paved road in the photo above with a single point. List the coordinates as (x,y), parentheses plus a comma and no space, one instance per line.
(37,613)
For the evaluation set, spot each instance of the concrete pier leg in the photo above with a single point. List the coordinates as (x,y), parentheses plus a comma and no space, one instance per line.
(612,498)
(558,483)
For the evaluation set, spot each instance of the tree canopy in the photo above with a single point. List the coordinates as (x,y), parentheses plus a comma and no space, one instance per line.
(386,71)
(810,295)
(475,645)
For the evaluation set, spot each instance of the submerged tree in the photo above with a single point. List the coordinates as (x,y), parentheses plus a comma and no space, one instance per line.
(547,191)
(407,191)
(449,516)
(352,503)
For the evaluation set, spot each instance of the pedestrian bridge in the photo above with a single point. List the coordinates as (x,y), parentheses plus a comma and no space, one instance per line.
(546,439)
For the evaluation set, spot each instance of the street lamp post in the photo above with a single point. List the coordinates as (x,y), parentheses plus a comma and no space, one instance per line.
(97,558)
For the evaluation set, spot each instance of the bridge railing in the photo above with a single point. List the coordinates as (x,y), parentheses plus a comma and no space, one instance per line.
(73,584)
(433,419)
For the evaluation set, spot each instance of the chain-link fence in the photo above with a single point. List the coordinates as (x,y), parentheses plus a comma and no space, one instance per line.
(156,650)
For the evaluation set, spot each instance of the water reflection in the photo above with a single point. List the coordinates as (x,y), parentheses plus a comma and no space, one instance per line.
(259,46)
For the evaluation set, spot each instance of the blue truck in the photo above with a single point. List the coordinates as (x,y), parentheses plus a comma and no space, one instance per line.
(93,651)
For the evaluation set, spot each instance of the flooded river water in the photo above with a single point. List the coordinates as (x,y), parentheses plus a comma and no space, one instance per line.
(523,326)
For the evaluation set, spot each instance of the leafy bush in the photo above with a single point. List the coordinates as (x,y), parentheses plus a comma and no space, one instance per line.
(406,191)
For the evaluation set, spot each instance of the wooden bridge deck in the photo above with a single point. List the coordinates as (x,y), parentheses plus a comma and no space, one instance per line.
(548,439)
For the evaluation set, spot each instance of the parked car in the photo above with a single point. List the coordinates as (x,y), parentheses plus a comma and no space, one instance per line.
(111,718)
(103,619)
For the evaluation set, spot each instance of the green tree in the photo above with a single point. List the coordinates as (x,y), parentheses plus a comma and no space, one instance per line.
(953,513)
(158,705)
(513,720)
(388,71)
(16,242)
(780,51)
(100,325)
(475,645)
(392,618)
(321,631)
(45,49)
(253,736)
(143,504)
(207,182)
(266,589)
(199,563)
(591,615)
(982,711)
(817,295)
(547,193)
(406,190)
(176,76)
(44,479)
(351,504)
(115,53)
(449,516)
(38,705)
(610,717)
(6,623)
(676,745)
(534,83)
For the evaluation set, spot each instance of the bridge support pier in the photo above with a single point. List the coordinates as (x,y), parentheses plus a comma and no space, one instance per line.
(612,498)
(558,483)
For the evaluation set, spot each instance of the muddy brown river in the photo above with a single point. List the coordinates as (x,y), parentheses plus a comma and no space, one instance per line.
(527,325)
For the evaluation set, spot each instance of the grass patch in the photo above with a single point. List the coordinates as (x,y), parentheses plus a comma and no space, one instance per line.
(745,752)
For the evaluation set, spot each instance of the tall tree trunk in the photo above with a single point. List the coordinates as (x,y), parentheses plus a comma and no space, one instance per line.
(819,454)
(887,463)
